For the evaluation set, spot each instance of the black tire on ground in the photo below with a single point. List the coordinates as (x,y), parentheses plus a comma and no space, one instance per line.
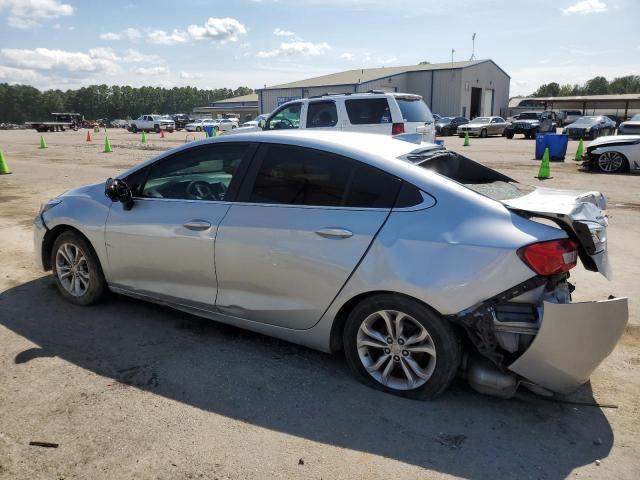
(445,340)
(461,136)
(97,284)
(170,130)
(198,129)
(156,128)
(509,135)
(134,128)
(483,133)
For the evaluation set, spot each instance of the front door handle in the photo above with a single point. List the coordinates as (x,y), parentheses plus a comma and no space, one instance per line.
(334,233)
(197,225)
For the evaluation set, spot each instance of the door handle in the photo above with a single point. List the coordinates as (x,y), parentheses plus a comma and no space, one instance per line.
(334,233)
(197,225)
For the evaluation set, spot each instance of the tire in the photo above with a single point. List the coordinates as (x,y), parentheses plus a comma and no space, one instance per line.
(156,128)
(134,128)
(612,162)
(509,135)
(170,130)
(393,357)
(198,129)
(87,286)
(483,133)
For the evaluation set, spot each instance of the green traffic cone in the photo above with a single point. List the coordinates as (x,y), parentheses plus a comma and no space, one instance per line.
(206,134)
(143,139)
(4,168)
(96,129)
(545,167)
(107,145)
(579,151)
(43,144)
(466,139)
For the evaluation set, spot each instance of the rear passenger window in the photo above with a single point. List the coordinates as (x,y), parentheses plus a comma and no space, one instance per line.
(368,111)
(322,114)
(371,188)
(300,176)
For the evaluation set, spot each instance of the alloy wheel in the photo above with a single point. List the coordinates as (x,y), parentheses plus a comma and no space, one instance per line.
(610,162)
(72,269)
(396,350)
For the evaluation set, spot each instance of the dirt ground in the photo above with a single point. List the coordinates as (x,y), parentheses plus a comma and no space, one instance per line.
(133,390)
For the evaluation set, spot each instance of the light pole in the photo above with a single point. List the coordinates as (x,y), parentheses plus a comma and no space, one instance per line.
(473,47)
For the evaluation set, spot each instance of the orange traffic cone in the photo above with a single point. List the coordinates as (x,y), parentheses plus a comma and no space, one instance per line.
(88,136)
(161,133)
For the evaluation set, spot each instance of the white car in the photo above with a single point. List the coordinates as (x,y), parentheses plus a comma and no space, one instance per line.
(198,125)
(630,127)
(148,123)
(227,124)
(614,154)
(374,112)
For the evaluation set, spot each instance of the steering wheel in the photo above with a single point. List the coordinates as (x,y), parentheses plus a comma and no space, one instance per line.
(199,190)
(284,123)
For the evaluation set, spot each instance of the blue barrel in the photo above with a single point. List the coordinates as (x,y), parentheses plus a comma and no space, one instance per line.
(439,142)
(557,145)
(210,130)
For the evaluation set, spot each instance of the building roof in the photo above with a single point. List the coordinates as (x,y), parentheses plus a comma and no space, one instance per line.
(352,77)
(587,98)
(252,97)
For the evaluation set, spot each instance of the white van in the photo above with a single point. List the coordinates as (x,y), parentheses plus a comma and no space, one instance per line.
(373,112)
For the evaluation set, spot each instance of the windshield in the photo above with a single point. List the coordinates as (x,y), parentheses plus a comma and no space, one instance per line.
(414,110)
(481,120)
(528,116)
(445,120)
(586,120)
(636,117)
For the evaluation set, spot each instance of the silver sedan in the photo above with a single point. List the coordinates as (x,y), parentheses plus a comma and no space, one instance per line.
(392,251)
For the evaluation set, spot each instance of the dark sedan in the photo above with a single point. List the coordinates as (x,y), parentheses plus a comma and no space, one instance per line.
(590,127)
(449,125)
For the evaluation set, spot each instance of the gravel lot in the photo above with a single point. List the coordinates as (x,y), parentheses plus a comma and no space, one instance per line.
(133,390)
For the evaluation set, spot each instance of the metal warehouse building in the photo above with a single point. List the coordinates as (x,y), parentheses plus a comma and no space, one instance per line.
(468,89)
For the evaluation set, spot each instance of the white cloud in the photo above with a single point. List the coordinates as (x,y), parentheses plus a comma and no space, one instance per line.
(346,56)
(25,13)
(160,37)
(290,49)
(585,7)
(218,29)
(18,75)
(387,61)
(134,56)
(188,76)
(278,32)
(151,70)
(61,60)
(126,34)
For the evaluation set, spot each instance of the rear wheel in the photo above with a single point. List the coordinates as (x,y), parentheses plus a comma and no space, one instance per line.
(198,129)
(134,129)
(397,345)
(77,269)
(156,128)
(611,162)
(509,135)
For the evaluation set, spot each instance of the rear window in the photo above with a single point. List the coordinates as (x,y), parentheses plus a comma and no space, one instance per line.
(414,110)
(368,110)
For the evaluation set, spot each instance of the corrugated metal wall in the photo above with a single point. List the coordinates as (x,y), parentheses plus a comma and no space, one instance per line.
(486,76)
(420,84)
(446,92)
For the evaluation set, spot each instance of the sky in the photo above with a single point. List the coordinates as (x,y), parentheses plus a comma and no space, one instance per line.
(213,44)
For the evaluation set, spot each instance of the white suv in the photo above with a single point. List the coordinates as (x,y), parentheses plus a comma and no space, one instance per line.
(372,112)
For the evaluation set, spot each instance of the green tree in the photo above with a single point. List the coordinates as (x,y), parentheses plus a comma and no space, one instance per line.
(596,86)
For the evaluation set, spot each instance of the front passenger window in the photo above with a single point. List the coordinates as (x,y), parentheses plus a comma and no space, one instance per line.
(203,173)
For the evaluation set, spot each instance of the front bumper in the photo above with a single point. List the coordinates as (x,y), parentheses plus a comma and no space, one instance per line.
(472,133)
(573,340)
(39,230)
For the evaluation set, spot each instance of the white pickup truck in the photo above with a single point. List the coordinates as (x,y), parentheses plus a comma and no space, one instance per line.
(148,123)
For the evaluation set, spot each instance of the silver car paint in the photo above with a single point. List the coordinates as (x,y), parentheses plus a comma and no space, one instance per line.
(628,145)
(479,240)
(571,343)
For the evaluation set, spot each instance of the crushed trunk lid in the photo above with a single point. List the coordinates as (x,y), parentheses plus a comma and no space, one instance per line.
(581,215)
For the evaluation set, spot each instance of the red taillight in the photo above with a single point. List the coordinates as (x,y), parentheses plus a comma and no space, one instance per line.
(548,258)
(397,128)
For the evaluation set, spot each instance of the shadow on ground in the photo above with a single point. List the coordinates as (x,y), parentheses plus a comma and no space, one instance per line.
(301,392)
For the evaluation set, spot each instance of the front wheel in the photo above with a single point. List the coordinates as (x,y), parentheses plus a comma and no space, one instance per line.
(134,129)
(611,162)
(198,129)
(483,133)
(77,269)
(398,345)
(509,135)
(156,128)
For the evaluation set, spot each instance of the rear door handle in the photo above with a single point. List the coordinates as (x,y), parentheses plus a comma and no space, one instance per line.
(334,233)
(197,225)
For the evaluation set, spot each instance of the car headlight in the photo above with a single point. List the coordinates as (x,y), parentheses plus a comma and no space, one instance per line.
(49,204)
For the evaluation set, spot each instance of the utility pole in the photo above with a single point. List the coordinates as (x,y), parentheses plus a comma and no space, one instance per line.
(473,47)
(452,52)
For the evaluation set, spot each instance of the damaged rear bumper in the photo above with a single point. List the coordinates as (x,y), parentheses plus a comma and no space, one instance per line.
(573,339)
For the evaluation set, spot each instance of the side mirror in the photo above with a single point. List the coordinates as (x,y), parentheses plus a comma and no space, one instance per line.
(118,191)
(262,123)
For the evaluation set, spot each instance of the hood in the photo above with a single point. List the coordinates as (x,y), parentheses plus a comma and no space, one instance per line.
(631,123)
(251,128)
(527,120)
(582,215)
(615,140)
(581,125)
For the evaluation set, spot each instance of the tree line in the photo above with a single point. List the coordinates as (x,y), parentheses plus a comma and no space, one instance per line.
(595,86)
(20,103)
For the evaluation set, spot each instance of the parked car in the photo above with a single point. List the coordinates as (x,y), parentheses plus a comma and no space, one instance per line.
(630,127)
(155,123)
(374,112)
(614,154)
(392,251)
(198,125)
(449,125)
(565,117)
(120,123)
(255,122)
(227,124)
(590,127)
(181,120)
(531,123)
(483,127)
